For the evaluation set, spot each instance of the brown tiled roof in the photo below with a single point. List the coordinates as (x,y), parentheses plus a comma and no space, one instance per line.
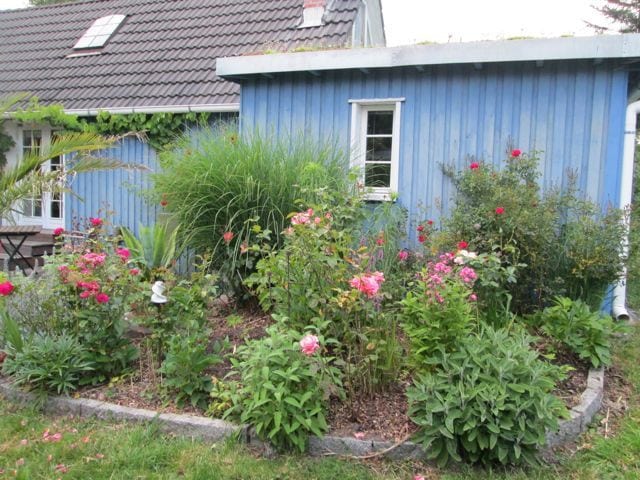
(164,53)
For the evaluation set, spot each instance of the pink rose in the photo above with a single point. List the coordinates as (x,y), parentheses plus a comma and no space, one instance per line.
(6,288)
(515,152)
(468,274)
(499,210)
(403,255)
(309,344)
(134,271)
(368,283)
(123,253)
(58,231)
(96,221)
(474,166)
(227,237)
(102,298)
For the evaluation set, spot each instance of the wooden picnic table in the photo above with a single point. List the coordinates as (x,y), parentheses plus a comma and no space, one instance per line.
(12,237)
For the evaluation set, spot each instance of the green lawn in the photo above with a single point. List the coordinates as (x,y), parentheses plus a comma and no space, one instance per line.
(98,450)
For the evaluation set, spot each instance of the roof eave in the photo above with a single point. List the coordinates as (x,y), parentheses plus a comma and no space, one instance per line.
(569,48)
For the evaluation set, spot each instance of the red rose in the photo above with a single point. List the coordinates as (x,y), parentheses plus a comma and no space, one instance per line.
(429,222)
(499,210)
(163,203)
(515,153)
(474,166)
(6,288)
(227,237)
(58,231)
(96,222)
(420,228)
(462,245)
(422,238)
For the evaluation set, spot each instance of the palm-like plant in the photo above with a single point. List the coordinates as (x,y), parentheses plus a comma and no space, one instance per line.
(27,177)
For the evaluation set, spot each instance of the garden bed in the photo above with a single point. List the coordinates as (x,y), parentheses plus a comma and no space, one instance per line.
(381,417)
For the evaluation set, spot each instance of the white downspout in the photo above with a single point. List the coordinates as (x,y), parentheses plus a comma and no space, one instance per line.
(619,309)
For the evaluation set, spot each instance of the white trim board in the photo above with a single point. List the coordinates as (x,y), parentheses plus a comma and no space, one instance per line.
(539,50)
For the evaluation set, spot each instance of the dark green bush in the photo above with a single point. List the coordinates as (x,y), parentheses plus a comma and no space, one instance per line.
(567,245)
(588,334)
(49,364)
(184,370)
(217,182)
(283,393)
(489,401)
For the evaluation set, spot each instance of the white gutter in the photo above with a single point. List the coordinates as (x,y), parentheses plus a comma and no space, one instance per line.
(212,108)
(618,308)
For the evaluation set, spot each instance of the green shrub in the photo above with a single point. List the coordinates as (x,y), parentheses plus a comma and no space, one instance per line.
(84,291)
(567,245)
(217,182)
(49,363)
(184,368)
(310,281)
(489,401)
(300,280)
(283,393)
(439,309)
(588,334)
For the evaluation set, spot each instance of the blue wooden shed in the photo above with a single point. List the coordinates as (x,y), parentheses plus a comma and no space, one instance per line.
(401,112)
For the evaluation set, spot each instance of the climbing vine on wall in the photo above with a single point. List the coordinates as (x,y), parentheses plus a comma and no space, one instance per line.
(159,129)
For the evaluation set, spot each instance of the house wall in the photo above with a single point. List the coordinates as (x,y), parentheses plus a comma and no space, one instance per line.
(115,191)
(572,112)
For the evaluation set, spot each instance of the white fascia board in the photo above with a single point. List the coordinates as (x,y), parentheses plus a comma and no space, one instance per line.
(212,108)
(601,46)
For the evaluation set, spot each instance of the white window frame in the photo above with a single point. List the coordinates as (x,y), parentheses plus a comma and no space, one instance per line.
(45,219)
(359,115)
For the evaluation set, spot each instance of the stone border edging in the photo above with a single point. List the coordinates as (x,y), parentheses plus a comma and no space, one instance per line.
(215,430)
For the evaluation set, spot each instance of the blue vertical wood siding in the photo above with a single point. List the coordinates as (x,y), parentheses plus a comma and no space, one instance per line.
(115,192)
(571,112)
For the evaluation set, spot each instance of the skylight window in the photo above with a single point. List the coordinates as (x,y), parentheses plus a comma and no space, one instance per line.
(98,33)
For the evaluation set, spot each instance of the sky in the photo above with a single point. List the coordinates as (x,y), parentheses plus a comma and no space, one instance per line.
(413,21)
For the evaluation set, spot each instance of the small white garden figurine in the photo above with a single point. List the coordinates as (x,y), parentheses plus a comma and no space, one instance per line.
(157,293)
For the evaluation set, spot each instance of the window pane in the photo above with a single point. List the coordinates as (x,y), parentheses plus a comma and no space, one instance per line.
(380,123)
(378,149)
(55,164)
(27,207)
(55,210)
(377,175)
(37,208)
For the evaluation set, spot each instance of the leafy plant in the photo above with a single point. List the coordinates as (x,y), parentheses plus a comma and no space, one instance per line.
(588,334)
(283,393)
(184,368)
(49,364)
(489,401)
(438,309)
(155,250)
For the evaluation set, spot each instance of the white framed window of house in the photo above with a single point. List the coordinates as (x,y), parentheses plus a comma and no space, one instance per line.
(45,209)
(375,145)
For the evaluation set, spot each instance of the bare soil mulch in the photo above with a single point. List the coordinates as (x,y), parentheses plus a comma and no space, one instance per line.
(378,417)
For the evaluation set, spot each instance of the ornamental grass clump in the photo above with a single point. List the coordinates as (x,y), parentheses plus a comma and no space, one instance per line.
(222,188)
(488,402)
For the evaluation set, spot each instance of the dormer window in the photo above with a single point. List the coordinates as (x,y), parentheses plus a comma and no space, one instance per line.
(100,32)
